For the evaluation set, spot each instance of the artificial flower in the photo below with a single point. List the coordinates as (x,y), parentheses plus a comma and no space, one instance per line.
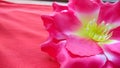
(84,34)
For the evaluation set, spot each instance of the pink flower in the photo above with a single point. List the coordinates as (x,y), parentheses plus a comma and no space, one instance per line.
(84,34)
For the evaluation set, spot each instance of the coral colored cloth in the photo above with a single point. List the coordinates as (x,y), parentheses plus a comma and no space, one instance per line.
(21,33)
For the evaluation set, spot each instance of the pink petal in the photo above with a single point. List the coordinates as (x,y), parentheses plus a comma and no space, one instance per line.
(84,6)
(85,10)
(113,53)
(54,31)
(116,33)
(114,47)
(109,64)
(82,62)
(58,7)
(110,13)
(82,47)
(99,1)
(67,61)
(66,21)
(52,47)
(63,21)
(85,62)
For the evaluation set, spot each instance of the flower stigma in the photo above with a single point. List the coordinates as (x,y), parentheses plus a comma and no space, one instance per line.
(97,32)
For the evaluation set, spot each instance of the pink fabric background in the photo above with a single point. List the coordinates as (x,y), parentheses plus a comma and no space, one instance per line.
(21,33)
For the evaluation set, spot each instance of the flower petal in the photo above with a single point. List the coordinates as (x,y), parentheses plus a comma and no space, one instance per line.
(86,6)
(82,47)
(109,64)
(57,7)
(113,47)
(85,10)
(110,13)
(54,31)
(85,62)
(52,47)
(112,51)
(99,1)
(64,21)
(116,33)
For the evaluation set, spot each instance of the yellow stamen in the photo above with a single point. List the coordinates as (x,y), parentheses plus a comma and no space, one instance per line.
(97,32)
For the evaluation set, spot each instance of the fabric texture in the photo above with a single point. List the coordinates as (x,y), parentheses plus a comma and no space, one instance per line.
(21,33)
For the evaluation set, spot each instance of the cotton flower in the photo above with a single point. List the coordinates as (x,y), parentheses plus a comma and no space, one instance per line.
(84,34)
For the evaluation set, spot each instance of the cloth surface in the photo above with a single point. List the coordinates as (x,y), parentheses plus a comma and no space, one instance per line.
(21,33)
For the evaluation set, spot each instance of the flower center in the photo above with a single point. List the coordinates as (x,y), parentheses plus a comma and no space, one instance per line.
(97,32)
